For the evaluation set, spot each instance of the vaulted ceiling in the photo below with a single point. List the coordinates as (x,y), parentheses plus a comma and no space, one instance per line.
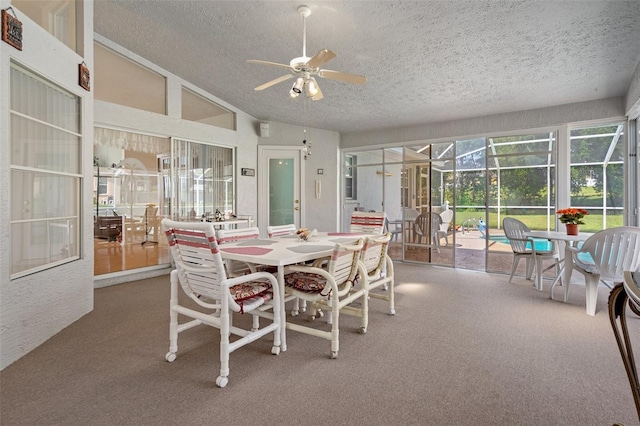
(425,61)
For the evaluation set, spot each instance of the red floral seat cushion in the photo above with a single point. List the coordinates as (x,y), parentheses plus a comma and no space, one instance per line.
(302,281)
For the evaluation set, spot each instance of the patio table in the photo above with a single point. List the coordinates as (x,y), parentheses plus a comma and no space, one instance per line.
(566,240)
(283,251)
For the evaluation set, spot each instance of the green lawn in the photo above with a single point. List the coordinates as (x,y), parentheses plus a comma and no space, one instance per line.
(593,222)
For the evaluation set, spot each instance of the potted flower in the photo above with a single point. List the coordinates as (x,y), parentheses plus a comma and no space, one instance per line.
(572,218)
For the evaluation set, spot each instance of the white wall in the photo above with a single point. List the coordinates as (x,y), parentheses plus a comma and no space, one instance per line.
(513,121)
(320,213)
(35,307)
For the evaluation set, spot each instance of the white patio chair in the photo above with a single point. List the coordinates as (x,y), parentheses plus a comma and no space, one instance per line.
(234,267)
(604,257)
(524,247)
(367,222)
(396,230)
(427,225)
(280,230)
(379,268)
(200,272)
(443,231)
(331,289)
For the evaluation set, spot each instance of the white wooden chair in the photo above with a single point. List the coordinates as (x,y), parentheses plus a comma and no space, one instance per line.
(234,267)
(379,268)
(280,230)
(367,222)
(200,272)
(524,248)
(331,289)
(443,231)
(604,257)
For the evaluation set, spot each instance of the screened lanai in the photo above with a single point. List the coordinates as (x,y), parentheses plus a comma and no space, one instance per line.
(481,181)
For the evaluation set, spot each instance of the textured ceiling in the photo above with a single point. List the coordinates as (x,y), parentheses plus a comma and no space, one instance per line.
(425,61)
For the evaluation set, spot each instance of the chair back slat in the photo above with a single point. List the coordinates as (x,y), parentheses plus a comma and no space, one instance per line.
(281,230)
(343,265)
(514,230)
(374,252)
(613,251)
(229,235)
(367,222)
(194,250)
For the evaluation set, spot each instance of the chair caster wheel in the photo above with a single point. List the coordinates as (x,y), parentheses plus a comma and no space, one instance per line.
(222,381)
(170,356)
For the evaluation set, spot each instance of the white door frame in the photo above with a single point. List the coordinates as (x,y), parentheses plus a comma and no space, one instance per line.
(264,153)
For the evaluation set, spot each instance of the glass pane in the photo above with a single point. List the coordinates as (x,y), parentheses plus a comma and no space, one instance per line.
(39,243)
(597,175)
(121,81)
(369,188)
(470,154)
(204,175)
(41,195)
(40,146)
(39,99)
(196,108)
(57,17)
(281,199)
(367,157)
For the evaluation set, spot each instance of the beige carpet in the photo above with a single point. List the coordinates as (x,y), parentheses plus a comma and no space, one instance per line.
(465,348)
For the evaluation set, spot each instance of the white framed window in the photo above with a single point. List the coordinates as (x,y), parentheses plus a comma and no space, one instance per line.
(45,169)
(201,110)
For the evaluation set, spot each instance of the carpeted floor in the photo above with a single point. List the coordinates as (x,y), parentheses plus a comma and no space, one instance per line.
(465,348)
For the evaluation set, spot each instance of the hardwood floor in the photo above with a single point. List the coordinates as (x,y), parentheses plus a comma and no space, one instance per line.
(129,254)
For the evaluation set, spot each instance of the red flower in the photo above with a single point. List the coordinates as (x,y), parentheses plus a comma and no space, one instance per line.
(572,216)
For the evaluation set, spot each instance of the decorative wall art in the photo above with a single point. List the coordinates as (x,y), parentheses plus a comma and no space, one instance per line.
(11,29)
(84,77)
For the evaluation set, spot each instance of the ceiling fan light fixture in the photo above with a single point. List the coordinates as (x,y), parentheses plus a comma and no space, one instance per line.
(312,87)
(298,86)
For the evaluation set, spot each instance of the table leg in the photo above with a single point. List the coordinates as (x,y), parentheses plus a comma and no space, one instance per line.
(283,312)
(568,269)
(617,314)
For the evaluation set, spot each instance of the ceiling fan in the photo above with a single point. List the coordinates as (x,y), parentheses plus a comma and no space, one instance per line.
(306,69)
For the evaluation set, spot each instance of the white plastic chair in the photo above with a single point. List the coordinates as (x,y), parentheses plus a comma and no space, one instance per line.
(447,217)
(379,268)
(367,222)
(524,247)
(280,230)
(604,256)
(200,272)
(234,267)
(331,289)
(427,225)
(396,230)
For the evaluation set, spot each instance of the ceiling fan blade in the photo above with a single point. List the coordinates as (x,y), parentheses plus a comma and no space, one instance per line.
(341,76)
(257,61)
(274,82)
(321,58)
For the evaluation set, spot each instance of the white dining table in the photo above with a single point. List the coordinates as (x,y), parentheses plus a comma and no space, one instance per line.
(565,240)
(283,251)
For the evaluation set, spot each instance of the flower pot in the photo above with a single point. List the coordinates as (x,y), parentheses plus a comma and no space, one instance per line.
(572,229)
